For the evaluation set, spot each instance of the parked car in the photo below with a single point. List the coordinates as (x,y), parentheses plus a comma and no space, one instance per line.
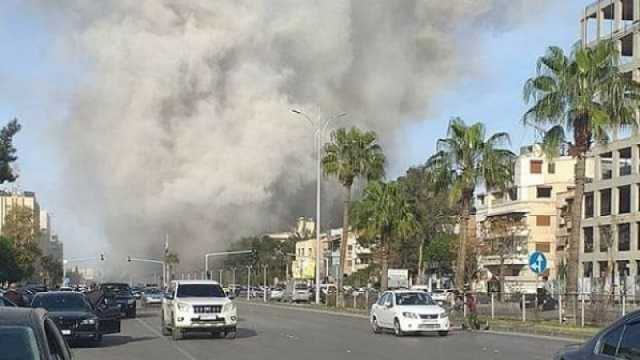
(620,340)
(136,292)
(76,317)
(151,296)
(197,305)
(120,294)
(297,291)
(408,311)
(276,294)
(30,334)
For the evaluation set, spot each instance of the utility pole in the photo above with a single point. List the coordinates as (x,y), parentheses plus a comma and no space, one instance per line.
(154,261)
(318,135)
(264,274)
(221,272)
(233,280)
(248,282)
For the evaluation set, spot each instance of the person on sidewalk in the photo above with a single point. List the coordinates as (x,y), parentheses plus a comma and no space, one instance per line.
(15,296)
(472,312)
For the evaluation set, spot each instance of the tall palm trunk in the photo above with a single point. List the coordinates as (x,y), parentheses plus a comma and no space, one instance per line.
(384,266)
(345,238)
(462,245)
(574,239)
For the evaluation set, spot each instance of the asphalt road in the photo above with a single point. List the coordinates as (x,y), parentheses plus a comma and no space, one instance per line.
(282,334)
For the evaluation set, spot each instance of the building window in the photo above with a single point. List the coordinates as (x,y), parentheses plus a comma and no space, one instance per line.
(543,220)
(606,166)
(605,238)
(623,267)
(543,192)
(535,166)
(588,205)
(624,162)
(624,199)
(624,237)
(603,269)
(605,202)
(481,199)
(544,247)
(551,167)
(588,239)
(587,269)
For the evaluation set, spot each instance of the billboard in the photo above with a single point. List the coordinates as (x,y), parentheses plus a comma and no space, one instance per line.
(398,278)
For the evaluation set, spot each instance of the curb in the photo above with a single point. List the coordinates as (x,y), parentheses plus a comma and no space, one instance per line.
(534,336)
(309,310)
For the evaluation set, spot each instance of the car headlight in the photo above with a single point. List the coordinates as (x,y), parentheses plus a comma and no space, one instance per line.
(91,321)
(410,315)
(443,315)
(229,307)
(183,306)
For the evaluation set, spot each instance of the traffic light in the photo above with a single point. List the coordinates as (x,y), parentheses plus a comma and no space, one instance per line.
(101,257)
(129,258)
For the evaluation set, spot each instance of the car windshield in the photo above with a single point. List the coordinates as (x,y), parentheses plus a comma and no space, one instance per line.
(61,302)
(413,298)
(152,291)
(18,343)
(199,290)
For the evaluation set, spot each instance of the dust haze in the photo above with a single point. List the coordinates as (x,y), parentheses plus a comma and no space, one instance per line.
(181,124)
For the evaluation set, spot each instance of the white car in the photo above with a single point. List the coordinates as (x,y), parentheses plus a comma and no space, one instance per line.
(441,296)
(276,294)
(408,311)
(197,306)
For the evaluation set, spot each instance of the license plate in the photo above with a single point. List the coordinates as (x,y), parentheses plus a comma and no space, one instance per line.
(66,332)
(428,326)
(208,317)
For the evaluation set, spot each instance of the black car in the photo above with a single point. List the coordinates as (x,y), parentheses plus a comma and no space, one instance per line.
(30,334)
(621,340)
(76,317)
(120,294)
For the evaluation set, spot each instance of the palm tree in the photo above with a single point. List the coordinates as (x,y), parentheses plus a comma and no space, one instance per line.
(467,158)
(349,155)
(382,218)
(583,94)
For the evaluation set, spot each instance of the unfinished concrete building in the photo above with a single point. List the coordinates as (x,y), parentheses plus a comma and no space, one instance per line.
(618,20)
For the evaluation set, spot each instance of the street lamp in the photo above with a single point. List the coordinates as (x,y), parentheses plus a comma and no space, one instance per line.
(154,261)
(318,134)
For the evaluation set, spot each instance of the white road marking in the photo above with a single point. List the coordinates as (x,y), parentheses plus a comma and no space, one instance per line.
(172,343)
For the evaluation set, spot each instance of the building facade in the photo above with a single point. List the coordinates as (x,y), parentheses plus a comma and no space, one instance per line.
(537,185)
(610,246)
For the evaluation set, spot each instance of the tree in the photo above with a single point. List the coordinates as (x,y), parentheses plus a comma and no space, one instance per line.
(466,158)
(21,228)
(349,155)
(8,151)
(382,218)
(10,270)
(503,234)
(270,252)
(583,94)
(52,269)
(427,195)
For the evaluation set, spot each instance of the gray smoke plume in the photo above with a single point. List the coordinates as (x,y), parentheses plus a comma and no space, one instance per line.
(182,122)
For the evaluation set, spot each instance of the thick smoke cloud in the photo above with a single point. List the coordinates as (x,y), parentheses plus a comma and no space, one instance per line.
(182,124)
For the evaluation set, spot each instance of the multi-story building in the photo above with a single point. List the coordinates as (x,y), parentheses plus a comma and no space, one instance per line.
(532,201)
(616,20)
(9,200)
(610,246)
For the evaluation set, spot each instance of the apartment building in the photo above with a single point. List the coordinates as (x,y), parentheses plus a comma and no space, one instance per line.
(616,20)
(610,246)
(537,186)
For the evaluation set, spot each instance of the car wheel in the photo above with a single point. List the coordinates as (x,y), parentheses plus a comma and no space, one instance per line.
(231,333)
(397,330)
(176,334)
(163,325)
(96,340)
(374,326)
(443,333)
(218,334)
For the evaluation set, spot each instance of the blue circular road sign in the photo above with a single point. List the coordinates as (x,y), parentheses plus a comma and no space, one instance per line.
(537,262)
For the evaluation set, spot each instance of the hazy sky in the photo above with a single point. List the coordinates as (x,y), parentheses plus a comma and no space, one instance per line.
(37,82)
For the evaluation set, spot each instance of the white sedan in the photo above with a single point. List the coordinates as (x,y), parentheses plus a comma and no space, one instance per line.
(408,311)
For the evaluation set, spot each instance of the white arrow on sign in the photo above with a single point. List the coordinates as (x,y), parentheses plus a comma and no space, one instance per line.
(537,265)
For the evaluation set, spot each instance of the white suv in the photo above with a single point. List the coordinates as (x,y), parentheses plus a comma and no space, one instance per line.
(197,305)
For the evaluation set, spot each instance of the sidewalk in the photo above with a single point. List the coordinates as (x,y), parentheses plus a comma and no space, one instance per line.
(498,326)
